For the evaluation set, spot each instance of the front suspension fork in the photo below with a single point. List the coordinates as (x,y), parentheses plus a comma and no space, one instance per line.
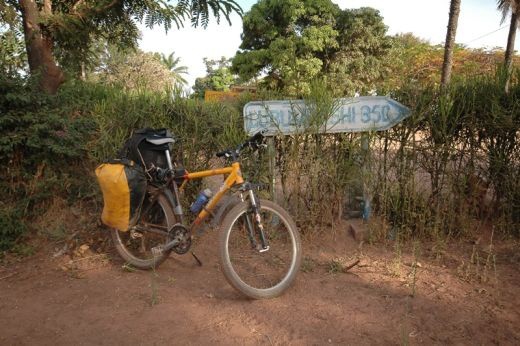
(257,219)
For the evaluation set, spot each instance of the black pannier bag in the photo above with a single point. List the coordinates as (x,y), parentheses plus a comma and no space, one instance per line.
(147,147)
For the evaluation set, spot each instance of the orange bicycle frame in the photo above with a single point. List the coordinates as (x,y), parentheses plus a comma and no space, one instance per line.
(234,178)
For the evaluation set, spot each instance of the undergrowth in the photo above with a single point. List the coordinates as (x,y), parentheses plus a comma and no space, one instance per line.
(452,166)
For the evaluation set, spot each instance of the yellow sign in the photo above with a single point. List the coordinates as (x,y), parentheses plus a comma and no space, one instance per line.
(211,95)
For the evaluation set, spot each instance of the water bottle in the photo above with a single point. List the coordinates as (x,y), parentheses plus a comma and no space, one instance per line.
(201,201)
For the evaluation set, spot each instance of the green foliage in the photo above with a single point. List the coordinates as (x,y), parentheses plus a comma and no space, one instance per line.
(454,161)
(361,62)
(172,64)
(12,225)
(417,62)
(202,128)
(42,145)
(134,69)
(37,128)
(218,77)
(52,143)
(76,27)
(199,10)
(507,7)
(421,172)
(12,52)
(294,42)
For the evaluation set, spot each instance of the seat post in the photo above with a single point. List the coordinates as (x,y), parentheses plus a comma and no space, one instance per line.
(169,159)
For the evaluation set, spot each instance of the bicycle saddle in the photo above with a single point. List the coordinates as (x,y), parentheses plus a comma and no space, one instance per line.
(160,140)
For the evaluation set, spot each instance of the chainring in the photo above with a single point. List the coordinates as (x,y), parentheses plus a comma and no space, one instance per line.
(183,234)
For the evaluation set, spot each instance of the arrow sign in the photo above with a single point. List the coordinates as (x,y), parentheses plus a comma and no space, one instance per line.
(359,114)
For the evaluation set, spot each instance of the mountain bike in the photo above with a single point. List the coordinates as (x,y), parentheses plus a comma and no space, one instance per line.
(259,244)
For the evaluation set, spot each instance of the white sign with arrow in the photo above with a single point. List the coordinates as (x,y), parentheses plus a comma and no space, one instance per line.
(359,114)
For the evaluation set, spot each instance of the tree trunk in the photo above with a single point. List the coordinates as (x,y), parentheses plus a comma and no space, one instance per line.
(450,42)
(39,47)
(510,48)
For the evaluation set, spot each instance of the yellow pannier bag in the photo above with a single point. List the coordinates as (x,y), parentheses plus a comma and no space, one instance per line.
(124,186)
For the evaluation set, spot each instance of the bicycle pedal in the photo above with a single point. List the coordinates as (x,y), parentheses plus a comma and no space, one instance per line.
(157,251)
(264,249)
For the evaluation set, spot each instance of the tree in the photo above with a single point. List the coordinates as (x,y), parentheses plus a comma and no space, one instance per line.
(218,77)
(287,40)
(416,61)
(171,63)
(73,25)
(294,42)
(513,7)
(12,53)
(133,70)
(363,57)
(450,42)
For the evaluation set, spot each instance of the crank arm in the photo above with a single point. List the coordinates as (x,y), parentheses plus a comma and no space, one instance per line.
(160,249)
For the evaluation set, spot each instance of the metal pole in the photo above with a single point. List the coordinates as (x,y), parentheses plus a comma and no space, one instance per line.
(272,167)
(367,198)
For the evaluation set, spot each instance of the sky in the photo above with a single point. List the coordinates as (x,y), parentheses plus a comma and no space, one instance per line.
(424,18)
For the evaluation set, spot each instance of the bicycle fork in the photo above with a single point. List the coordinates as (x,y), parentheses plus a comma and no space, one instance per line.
(256,224)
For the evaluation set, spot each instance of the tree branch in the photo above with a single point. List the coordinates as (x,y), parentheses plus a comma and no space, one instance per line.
(81,11)
(47,7)
(76,5)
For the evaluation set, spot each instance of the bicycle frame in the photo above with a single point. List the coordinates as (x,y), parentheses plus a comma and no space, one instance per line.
(234,178)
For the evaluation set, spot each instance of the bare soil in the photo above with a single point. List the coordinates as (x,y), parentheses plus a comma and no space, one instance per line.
(464,293)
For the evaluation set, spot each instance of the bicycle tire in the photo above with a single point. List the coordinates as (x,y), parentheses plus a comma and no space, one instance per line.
(235,276)
(124,244)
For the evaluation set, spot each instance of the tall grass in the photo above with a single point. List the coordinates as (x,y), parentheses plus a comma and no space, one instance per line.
(439,168)
(452,165)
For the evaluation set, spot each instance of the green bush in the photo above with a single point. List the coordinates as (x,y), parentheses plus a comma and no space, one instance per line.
(12,226)
(417,172)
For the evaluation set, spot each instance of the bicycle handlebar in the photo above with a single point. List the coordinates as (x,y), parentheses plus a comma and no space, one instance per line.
(254,142)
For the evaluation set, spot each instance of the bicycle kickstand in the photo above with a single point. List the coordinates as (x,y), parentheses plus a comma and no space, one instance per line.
(196,258)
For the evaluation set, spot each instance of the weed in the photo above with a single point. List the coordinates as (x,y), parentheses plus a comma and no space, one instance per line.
(341,264)
(154,298)
(334,266)
(127,267)
(480,266)
(415,264)
(23,250)
(308,264)
(12,226)
(396,264)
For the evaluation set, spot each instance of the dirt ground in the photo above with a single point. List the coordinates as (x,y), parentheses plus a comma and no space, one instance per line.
(464,294)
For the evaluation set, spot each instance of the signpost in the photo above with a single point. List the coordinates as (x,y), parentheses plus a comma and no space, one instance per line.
(359,114)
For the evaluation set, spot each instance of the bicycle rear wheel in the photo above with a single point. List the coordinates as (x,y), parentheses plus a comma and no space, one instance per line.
(135,245)
(256,274)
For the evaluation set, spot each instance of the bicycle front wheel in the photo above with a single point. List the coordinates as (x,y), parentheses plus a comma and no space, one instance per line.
(256,274)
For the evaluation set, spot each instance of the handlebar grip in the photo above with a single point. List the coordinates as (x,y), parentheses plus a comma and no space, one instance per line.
(255,140)
(257,137)
(221,153)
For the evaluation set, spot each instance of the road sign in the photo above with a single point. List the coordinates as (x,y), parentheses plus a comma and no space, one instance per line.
(359,114)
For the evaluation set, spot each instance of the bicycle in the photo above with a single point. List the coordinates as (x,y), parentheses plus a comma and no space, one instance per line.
(259,245)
